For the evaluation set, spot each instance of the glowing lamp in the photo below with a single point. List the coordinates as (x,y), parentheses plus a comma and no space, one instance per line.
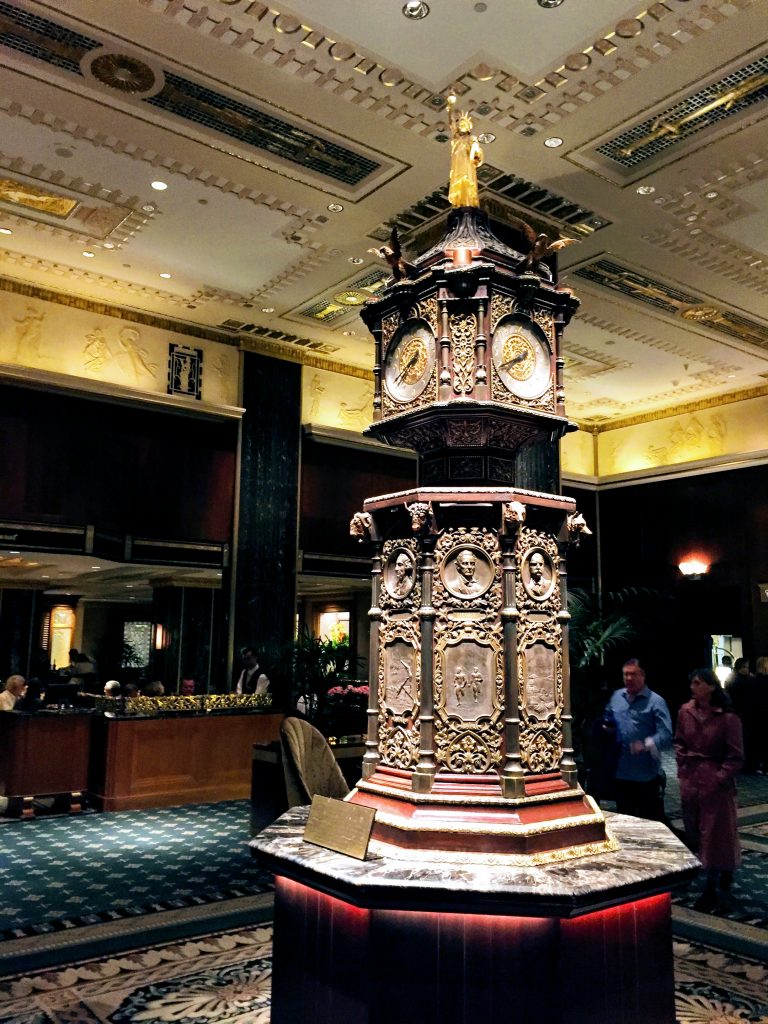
(694,567)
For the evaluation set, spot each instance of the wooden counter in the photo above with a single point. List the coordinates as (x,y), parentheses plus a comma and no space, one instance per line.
(161,762)
(44,754)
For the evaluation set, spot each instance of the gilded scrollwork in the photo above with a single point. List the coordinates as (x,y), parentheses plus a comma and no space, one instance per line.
(501,305)
(389,325)
(463,334)
(400,748)
(545,321)
(427,310)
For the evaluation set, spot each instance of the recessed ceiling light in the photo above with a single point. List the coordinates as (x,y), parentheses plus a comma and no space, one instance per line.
(357,260)
(107,245)
(711,195)
(549,3)
(645,190)
(481,7)
(553,142)
(692,217)
(14,552)
(95,566)
(5,231)
(486,137)
(128,586)
(335,207)
(149,207)
(415,9)
(159,186)
(45,576)
(267,309)
(165,274)
(88,253)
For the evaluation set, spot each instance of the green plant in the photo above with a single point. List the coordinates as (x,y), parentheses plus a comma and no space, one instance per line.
(318,665)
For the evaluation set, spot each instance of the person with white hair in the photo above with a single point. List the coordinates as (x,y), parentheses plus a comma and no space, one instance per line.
(15,688)
(112,688)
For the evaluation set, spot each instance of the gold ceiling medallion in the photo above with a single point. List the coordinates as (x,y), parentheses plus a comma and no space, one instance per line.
(21,193)
(123,73)
(351,297)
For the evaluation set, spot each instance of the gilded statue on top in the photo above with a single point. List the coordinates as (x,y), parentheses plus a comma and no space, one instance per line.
(466,157)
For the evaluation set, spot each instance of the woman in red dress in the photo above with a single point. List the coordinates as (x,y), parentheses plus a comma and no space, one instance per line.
(709,747)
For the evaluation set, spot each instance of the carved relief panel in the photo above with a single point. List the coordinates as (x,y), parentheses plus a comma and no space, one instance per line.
(468,675)
(539,651)
(399,654)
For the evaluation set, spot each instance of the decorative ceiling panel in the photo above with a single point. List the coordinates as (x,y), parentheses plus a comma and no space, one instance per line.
(246,123)
(734,93)
(670,299)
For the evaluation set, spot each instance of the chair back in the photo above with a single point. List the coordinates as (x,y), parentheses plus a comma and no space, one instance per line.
(309,766)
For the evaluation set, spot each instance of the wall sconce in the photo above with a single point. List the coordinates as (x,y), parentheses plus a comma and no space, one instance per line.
(693,567)
(159,637)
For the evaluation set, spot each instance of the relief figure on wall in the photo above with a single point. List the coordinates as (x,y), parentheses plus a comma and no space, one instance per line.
(538,574)
(136,355)
(29,333)
(467,572)
(399,576)
(96,351)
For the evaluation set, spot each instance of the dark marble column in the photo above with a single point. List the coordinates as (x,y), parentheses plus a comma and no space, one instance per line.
(20,611)
(265,563)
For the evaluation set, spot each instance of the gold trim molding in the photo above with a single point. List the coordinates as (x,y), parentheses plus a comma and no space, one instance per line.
(33,291)
(714,402)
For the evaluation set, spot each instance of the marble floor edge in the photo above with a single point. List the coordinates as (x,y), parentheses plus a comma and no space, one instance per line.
(56,949)
(732,936)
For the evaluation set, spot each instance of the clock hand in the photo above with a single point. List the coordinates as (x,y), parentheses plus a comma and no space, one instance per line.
(516,359)
(414,359)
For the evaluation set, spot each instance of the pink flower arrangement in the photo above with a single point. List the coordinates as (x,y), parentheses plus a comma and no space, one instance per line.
(348,696)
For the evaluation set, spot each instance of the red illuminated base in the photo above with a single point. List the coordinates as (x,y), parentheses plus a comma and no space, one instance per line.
(467,815)
(335,963)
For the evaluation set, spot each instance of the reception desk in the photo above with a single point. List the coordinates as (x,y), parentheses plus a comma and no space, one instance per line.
(44,754)
(159,762)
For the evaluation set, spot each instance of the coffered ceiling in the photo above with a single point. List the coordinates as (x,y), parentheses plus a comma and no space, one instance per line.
(291,137)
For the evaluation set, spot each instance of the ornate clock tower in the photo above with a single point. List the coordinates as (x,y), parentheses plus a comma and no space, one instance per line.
(469,742)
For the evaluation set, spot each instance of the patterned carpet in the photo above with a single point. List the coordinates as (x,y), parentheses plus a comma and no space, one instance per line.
(60,873)
(225,979)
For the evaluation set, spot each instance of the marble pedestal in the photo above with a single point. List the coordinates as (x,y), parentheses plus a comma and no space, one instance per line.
(387,941)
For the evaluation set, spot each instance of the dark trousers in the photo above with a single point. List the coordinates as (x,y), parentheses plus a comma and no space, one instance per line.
(642,799)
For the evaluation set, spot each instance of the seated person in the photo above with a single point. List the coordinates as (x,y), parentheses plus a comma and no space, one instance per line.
(15,688)
(154,689)
(112,688)
(131,690)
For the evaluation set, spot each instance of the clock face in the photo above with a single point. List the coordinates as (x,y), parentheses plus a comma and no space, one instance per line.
(410,361)
(521,357)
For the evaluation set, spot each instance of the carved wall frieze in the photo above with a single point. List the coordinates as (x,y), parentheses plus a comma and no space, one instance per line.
(399,691)
(540,672)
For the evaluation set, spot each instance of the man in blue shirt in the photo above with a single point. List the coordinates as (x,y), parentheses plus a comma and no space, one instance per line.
(640,721)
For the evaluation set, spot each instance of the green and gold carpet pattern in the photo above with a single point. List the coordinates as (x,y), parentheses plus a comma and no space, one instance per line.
(61,873)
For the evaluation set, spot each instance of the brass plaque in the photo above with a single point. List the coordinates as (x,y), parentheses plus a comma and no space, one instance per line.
(340,826)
